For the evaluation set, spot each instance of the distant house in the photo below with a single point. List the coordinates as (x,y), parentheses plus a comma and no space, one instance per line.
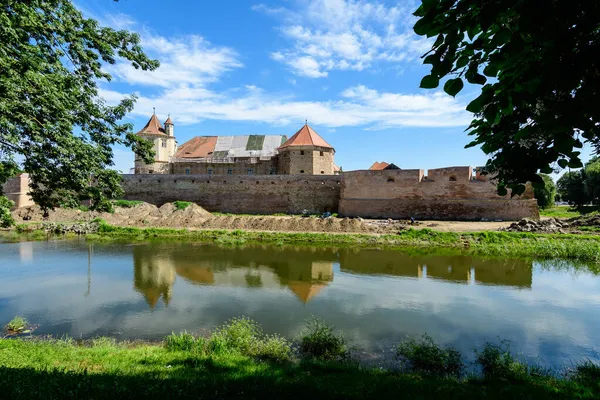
(380,166)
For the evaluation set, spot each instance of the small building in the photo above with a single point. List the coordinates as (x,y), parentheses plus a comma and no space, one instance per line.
(304,153)
(381,166)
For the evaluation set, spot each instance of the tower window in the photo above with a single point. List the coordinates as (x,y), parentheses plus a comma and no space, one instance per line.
(164,143)
(301,171)
(453,178)
(250,171)
(301,152)
(210,171)
(150,171)
(323,172)
(272,171)
(321,154)
(188,171)
(229,171)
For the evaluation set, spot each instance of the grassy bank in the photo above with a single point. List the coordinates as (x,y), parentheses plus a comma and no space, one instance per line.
(238,361)
(569,211)
(506,244)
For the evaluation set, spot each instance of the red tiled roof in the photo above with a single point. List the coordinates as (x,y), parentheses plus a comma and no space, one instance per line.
(306,136)
(378,166)
(153,127)
(198,147)
(169,121)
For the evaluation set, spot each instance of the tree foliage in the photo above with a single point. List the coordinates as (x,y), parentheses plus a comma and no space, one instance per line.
(571,188)
(592,180)
(545,195)
(537,62)
(52,119)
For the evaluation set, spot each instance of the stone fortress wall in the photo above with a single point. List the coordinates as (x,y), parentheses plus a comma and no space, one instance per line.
(452,193)
(444,194)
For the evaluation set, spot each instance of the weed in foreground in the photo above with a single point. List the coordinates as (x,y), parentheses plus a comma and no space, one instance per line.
(319,340)
(497,362)
(17,325)
(424,356)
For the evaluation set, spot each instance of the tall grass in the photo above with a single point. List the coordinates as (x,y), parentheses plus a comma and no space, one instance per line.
(493,244)
(426,357)
(321,341)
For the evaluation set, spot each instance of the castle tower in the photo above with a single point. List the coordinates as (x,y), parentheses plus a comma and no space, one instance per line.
(165,146)
(306,153)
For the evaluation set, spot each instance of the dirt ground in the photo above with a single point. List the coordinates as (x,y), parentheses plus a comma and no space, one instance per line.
(195,217)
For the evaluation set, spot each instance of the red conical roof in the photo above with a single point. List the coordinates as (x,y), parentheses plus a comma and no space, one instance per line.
(306,136)
(168,121)
(153,127)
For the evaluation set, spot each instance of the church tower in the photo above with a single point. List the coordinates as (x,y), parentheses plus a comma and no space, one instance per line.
(306,153)
(164,147)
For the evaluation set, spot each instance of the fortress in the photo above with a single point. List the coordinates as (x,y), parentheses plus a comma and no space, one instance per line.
(305,153)
(260,174)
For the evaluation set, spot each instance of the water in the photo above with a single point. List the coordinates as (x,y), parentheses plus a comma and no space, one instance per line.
(549,311)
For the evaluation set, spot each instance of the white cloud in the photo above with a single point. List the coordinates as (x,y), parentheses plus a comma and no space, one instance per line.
(189,60)
(327,35)
(359,106)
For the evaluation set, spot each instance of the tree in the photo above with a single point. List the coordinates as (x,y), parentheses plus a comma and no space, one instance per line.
(592,180)
(51,117)
(571,188)
(545,195)
(537,62)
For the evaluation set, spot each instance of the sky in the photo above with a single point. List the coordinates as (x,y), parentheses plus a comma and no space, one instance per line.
(352,68)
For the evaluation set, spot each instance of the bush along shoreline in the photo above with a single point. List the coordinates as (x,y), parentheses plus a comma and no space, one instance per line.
(238,360)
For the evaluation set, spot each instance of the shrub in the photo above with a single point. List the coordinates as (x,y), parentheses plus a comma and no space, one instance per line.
(497,362)
(427,357)
(181,205)
(182,342)
(319,340)
(23,228)
(17,324)
(275,348)
(6,219)
(240,334)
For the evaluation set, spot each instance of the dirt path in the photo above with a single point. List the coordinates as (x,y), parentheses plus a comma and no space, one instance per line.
(195,217)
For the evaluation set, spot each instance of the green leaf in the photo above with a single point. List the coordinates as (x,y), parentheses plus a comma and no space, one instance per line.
(438,41)
(453,86)
(476,78)
(491,70)
(575,163)
(431,59)
(502,191)
(462,61)
(422,26)
(476,105)
(563,163)
(429,82)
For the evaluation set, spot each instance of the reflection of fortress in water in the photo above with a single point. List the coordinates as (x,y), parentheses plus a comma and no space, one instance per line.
(457,269)
(304,272)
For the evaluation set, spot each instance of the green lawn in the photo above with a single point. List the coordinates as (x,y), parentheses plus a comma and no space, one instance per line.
(105,370)
(568,211)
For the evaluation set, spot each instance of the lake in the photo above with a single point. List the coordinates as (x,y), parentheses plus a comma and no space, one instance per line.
(550,311)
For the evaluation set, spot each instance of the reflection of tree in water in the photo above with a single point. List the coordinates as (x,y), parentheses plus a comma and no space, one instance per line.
(153,275)
(253,280)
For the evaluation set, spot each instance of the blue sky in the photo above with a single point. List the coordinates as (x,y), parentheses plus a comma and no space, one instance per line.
(351,68)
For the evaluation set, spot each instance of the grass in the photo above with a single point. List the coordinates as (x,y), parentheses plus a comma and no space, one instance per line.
(492,244)
(127,203)
(181,205)
(569,211)
(230,363)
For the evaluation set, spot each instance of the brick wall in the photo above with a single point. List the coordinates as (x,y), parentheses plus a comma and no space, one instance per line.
(239,194)
(260,167)
(444,194)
